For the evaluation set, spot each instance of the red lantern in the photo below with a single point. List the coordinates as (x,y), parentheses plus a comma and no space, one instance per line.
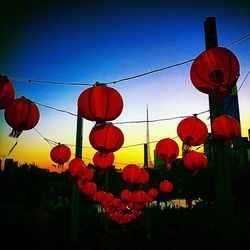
(7,92)
(192,131)
(76,168)
(144,177)
(100,196)
(131,173)
(215,71)
(89,188)
(167,150)
(60,154)
(106,138)
(166,186)
(21,114)
(100,103)
(103,160)
(195,161)
(226,127)
(153,192)
(139,196)
(126,195)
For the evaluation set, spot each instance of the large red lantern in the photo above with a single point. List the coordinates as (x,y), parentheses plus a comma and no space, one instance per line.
(167,150)
(144,177)
(195,161)
(226,127)
(76,168)
(60,154)
(100,103)
(21,114)
(131,173)
(166,186)
(7,92)
(89,188)
(103,160)
(106,138)
(215,71)
(192,131)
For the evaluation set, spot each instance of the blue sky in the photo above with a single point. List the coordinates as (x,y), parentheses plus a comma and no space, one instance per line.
(89,41)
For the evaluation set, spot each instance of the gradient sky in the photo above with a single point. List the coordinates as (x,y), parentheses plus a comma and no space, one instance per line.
(89,41)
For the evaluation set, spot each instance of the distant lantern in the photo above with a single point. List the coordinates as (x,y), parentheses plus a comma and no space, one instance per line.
(100,103)
(76,167)
(7,92)
(21,114)
(192,131)
(60,154)
(226,127)
(195,161)
(103,160)
(153,193)
(126,195)
(166,186)
(144,177)
(167,150)
(106,138)
(89,188)
(131,173)
(215,71)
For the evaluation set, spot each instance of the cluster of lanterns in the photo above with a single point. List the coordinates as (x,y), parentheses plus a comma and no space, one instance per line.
(21,113)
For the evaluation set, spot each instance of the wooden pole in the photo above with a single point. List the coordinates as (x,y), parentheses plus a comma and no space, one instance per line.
(74,219)
(220,158)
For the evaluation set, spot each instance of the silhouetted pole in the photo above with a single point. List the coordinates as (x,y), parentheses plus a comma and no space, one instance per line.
(74,219)
(220,158)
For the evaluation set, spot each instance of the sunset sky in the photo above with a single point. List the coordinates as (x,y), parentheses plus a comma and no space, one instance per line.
(90,41)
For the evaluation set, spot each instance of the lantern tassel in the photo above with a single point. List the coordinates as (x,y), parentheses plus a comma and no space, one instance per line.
(15,133)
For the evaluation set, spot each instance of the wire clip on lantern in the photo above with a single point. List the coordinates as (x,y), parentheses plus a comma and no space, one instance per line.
(215,72)
(21,114)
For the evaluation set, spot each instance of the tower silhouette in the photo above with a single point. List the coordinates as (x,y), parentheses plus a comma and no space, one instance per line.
(149,163)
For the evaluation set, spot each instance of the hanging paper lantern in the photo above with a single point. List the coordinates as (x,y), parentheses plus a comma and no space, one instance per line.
(103,160)
(100,103)
(167,150)
(153,192)
(60,154)
(166,186)
(195,161)
(21,114)
(7,92)
(215,71)
(131,173)
(144,177)
(89,188)
(226,127)
(76,168)
(192,131)
(99,196)
(106,138)
(139,196)
(126,195)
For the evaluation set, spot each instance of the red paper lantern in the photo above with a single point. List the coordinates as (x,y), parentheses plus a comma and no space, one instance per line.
(131,173)
(167,150)
(100,103)
(215,71)
(126,195)
(7,92)
(144,177)
(166,186)
(21,114)
(192,131)
(106,138)
(76,168)
(60,154)
(195,161)
(153,192)
(139,196)
(89,188)
(103,160)
(226,127)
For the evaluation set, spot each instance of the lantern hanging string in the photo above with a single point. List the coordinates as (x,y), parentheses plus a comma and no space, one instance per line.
(122,79)
(12,148)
